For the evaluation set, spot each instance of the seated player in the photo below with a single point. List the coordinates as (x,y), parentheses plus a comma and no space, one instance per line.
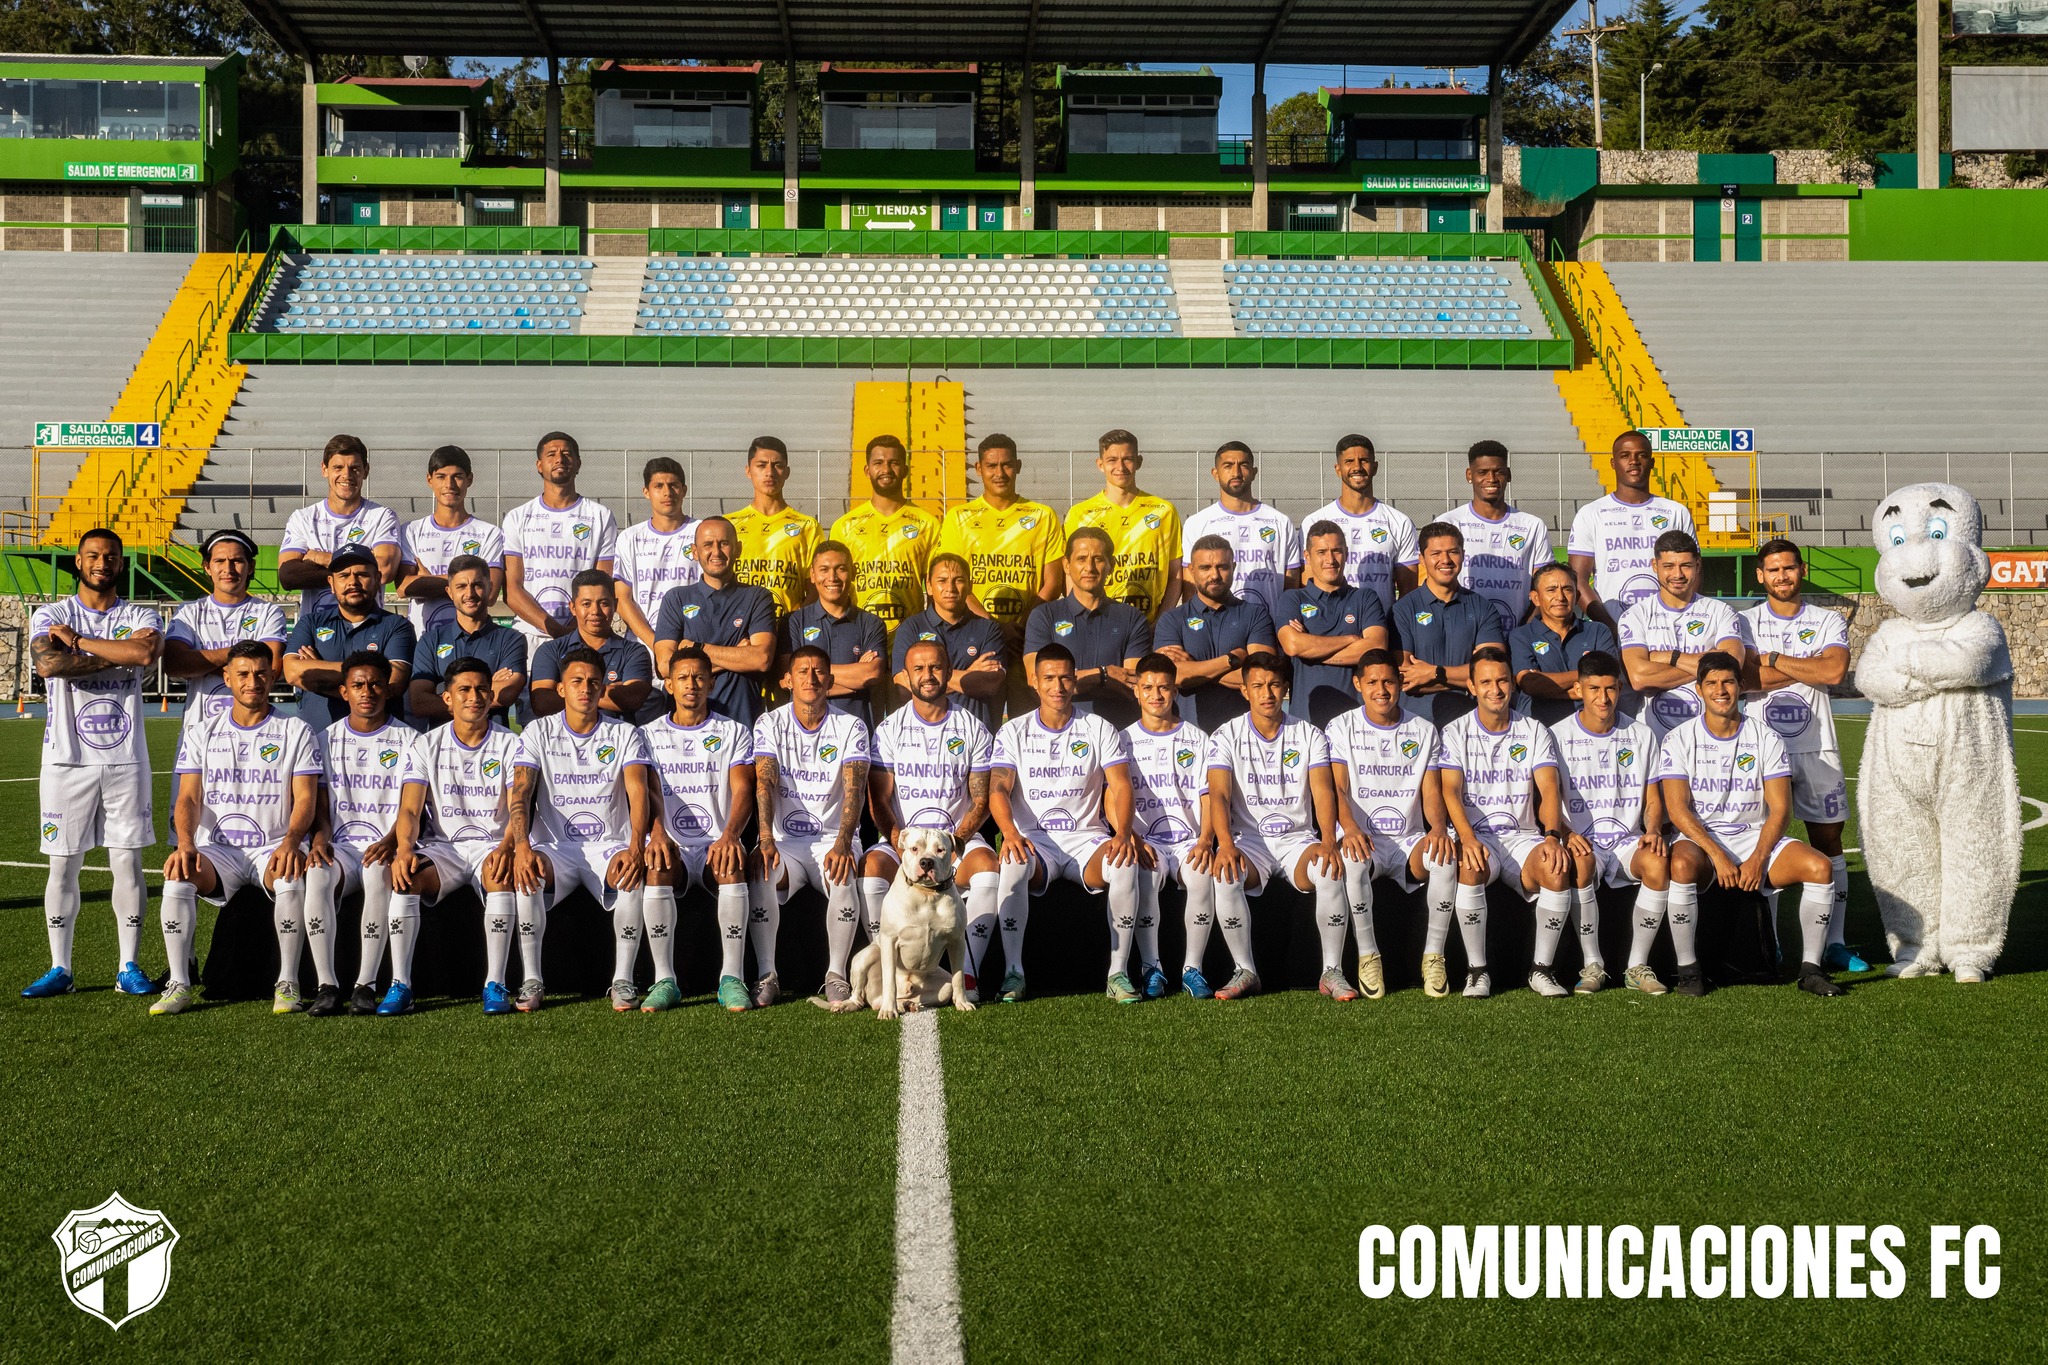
(811,770)
(582,779)
(1276,815)
(706,766)
(1390,816)
(1616,811)
(1171,813)
(931,772)
(1061,795)
(1502,792)
(248,783)
(1728,791)
(460,776)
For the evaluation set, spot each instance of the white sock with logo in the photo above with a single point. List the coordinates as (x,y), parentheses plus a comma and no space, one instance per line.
(179,910)
(873,891)
(61,902)
(1684,914)
(1123,914)
(1198,916)
(1553,908)
(625,934)
(533,928)
(1013,909)
(501,913)
(1147,935)
(376,919)
(1358,886)
(1644,922)
(1234,918)
(1816,914)
(130,900)
(732,930)
(1586,910)
(288,918)
(658,912)
(842,922)
(1471,905)
(404,920)
(1332,915)
(1838,926)
(984,889)
(320,933)
(1442,898)
(764,922)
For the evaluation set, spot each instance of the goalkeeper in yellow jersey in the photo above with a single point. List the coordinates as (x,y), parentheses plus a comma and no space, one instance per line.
(776,542)
(1144,528)
(1013,546)
(892,541)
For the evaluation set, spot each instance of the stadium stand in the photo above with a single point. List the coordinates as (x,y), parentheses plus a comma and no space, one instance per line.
(1360,298)
(429,294)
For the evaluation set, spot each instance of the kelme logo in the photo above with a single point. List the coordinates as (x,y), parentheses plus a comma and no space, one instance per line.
(1744,762)
(268,753)
(1079,748)
(120,1245)
(955,744)
(1518,752)
(1409,748)
(606,753)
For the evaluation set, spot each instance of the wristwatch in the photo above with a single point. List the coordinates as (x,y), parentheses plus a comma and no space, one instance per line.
(1556,834)
(1674,658)
(1771,659)
(1443,679)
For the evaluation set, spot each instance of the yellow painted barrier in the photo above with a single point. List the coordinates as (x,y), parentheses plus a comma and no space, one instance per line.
(931,421)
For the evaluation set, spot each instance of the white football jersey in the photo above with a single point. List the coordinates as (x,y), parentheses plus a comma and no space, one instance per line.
(1702,624)
(648,563)
(1802,715)
(431,547)
(1383,770)
(554,545)
(95,720)
(1500,556)
(1269,777)
(1727,776)
(319,527)
(1499,770)
(364,775)
(696,763)
(208,624)
(931,762)
(1266,545)
(1060,773)
(1169,780)
(1604,777)
(810,791)
(582,788)
(1378,540)
(469,791)
(1621,537)
(246,775)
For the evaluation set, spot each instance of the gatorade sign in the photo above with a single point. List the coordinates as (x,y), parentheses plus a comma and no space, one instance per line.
(2018,570)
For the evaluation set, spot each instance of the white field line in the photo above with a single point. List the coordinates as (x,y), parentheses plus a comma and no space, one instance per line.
(924,1327)
(44,867)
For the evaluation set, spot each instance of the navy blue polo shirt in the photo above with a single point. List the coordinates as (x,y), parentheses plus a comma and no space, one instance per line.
(1322,692)
(1207,632)
(972,640)
(1103,638)
(333,638)
(846,638)
(726,617)
(1440,632)
(1535,645)
(497,646)
(625,659)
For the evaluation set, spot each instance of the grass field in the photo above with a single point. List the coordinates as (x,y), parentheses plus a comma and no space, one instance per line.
(1172,1179)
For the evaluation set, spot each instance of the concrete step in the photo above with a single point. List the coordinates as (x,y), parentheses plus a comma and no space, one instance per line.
(613,303)
(1199,298)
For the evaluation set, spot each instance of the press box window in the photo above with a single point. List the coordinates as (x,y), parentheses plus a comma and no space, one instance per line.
(355,131)
(655,118)
(900,121)
(109,111)
(1142,125)
(1415,139)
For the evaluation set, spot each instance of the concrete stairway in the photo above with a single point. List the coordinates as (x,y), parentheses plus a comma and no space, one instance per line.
(613,303)
(1204,307)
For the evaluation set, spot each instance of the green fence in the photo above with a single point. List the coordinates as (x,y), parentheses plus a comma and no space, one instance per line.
(348,237)
(898,352)
(830,242)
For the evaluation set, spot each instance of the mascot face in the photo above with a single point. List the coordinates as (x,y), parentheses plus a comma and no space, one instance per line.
(1930,562)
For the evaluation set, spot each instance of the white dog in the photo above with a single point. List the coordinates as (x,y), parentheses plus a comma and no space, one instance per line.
(922,919)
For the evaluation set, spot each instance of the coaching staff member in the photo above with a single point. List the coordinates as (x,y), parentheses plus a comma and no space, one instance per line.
(1438,626)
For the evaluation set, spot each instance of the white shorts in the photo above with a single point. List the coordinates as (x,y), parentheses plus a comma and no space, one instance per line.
(974,841)
(1505,854)
(1613,864)
(804,865)
(1064,853)
(1820,796)
(692,867)
(1275,855)
(1390,856)
(1741,842)
(236,868)
(1173,866)
(89,806)
(581,865)
(457,864)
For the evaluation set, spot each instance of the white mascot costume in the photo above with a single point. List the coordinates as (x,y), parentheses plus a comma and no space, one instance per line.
(1938,796)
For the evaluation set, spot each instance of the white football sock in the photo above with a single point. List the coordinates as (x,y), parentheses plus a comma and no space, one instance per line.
(404,919)
(1442,894)
(983,891)
(1838,925)
(1816,912)
(1147,936)
(732,930)
(1472,925)
(1198,915)
(287,916)
(1553,908)
(179,910)
(873,891)
(1586,909)
(1332,914)
(61,903)
(658,912)
(764,922)
(130,900)
(501,912)
(1123,914)
(533,928)
(1684,913)
(1013,911)
(1358,886)
(1644,922)
(1234,918)
(376,917)
(625,934)
(842,922)
(1771,916)
(320,928)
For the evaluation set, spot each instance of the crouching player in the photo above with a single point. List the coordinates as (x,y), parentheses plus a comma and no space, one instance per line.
(1502,792)
(1616,811)
(581,778)
(706,767)
(1170,809)
(931,772)
(1728,791)
(1390,815)
(248,792)
(810,774)
(460,774)
(1276,815)
(364,754)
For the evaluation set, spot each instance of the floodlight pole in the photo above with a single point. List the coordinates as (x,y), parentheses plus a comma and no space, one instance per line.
(1261,219)
(1027,153)
(309,146)
(551,148)
(1643,107)
(1927,104)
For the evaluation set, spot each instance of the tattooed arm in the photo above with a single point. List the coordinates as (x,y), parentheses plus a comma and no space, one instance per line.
(64,653)
(767,776)
(526,865)
(977,808)
(853,784)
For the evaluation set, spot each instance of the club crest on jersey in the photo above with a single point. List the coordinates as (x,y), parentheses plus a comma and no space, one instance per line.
(1660,521)
(1079,748)
(713,743)
(606,753)
(123,632)
(492,767)
(1409,748)
(120,1243)
(1063,627)
(1378,535)
(1542,646)
(1183,758)
(355,534)
(690,610)
(1195,623)
(1290,758)
(1806,635)
(910,533)
(1744,762)
(1310,609)
(247,623)
(1028,523)
(792,530)
(268,753)
(1266,533)
(1517,539)
(472,547)
(1695,627)
(925,635)
(1518,752)
(1151,521)
(387,758)
(811,633)
(323,633)
(581,530)
(1423,618)
(828,752)
(1625,757)
(955,745)
(443,651)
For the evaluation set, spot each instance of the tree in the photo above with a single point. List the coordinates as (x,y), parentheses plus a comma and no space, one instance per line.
(1654,37)
(1294,126)
(1547,101)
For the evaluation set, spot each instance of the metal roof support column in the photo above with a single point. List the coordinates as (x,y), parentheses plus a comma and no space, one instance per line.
(792,148)
(1496,173)
(1261,214)
(1927,104)
(1027,154)
(309,146)
(551,152)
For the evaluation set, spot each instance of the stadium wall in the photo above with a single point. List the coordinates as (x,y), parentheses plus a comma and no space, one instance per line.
(1948,225)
